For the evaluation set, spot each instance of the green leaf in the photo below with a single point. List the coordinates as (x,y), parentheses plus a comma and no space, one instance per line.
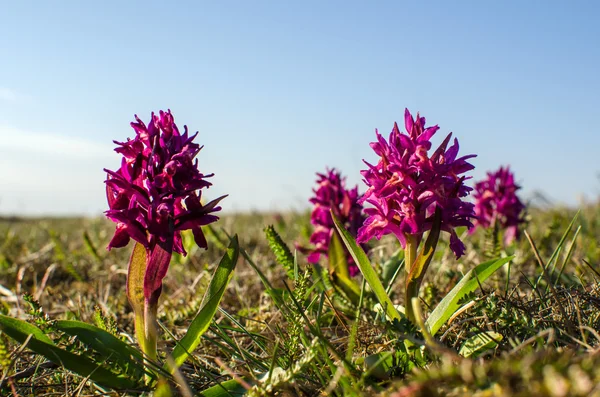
(15,328)
(419,267)
(280,249)
(377,308)
(40,343)
(381,365)
(469,283)
(105,343)
(338,268)
(338,262)
(210,303)
(135,289)
(162,389)
(225,389)
(135,277)
(362,261)
(480,343)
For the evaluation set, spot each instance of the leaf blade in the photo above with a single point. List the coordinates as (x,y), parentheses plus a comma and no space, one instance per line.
(469,283)
(40,343)
(338,268)
(362,261)
(210,303)
(228,388)
(105,343)
(135,289)
(479,344)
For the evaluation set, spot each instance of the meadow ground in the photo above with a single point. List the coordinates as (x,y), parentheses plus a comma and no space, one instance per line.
(282,330)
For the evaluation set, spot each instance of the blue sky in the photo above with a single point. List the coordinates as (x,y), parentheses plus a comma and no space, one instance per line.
(279,90)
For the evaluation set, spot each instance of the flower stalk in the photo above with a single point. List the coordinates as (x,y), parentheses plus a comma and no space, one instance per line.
(153,196)
(412,287)
(412,191)
(410,252)
(416,271)
(150,330)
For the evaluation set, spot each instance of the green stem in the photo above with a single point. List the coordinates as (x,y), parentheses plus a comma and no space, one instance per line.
(150,330)
(418,264)
(412,286)
(140,330)
(410,251)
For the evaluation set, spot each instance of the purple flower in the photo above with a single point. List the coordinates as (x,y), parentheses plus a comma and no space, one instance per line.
(497,204)
(408,184)
(156,193)
(331,194)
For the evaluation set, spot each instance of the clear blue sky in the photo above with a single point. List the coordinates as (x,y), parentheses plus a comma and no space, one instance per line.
(279,90)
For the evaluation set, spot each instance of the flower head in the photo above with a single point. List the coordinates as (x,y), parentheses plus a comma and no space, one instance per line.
(156,193)
(331,194)
(408,184)
(496,203)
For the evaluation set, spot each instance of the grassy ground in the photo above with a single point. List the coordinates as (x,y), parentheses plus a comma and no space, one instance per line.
(301,335)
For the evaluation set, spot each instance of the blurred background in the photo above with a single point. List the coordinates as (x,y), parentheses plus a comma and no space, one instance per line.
(280,90)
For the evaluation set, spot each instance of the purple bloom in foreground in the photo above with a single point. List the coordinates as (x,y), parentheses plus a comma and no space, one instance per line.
(155,194)
(408,184)
(497,204)
(331,194)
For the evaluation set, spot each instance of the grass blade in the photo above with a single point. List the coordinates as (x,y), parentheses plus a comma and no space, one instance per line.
(569,253)
(558,247)
(89,245)
(210,303)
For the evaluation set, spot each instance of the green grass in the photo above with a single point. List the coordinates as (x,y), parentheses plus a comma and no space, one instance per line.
(286,328)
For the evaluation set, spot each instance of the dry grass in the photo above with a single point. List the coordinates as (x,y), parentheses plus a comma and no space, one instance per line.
(314,337)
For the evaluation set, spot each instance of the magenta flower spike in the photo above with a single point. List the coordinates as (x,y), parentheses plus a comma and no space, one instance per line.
(156,192)
(497,204)
(408,184)
(412,191)
(153,196)
(331,194)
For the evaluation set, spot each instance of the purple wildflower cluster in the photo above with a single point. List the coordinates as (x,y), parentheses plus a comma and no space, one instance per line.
(156,192)
(497,204)
(407,185)
(331,194)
